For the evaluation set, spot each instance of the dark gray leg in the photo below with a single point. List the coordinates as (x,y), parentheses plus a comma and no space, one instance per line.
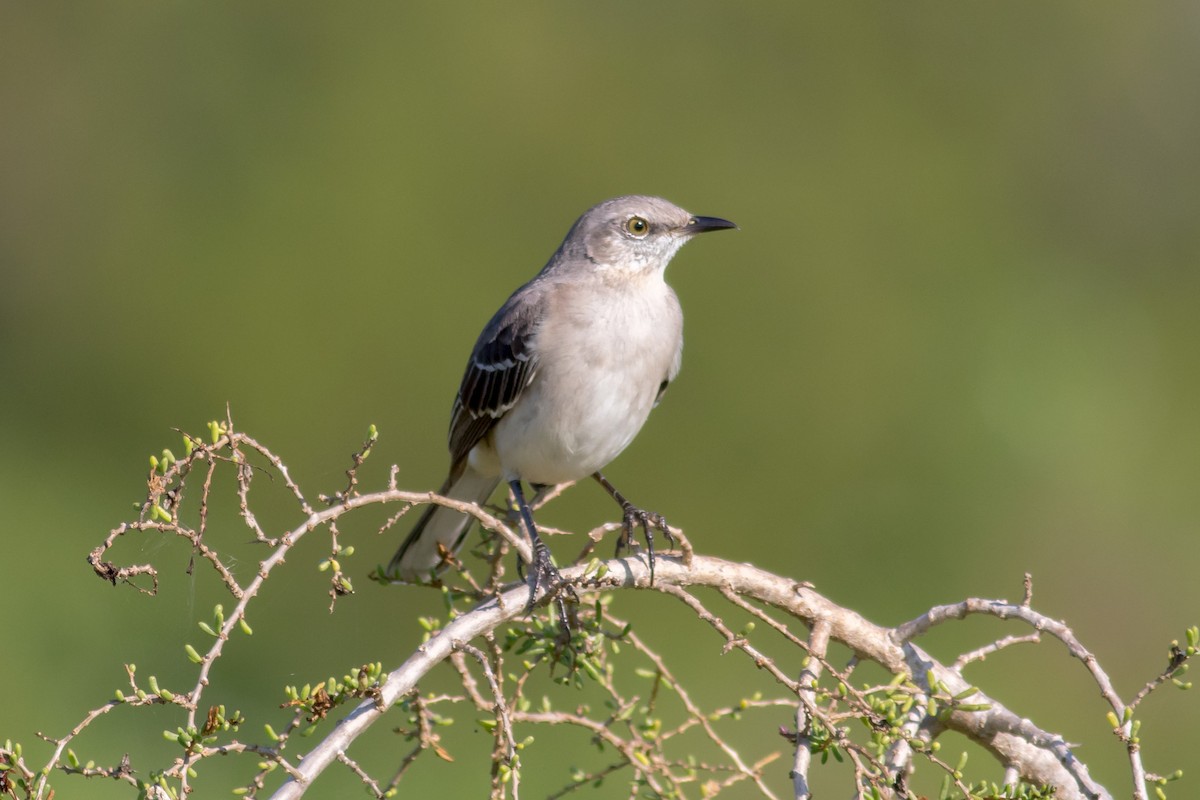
(634,516)
(542,572)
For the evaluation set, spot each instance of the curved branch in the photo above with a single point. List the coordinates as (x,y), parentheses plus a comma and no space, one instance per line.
(1038,756)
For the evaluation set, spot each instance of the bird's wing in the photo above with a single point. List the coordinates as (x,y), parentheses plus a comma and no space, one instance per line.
(501,366)
(676,361)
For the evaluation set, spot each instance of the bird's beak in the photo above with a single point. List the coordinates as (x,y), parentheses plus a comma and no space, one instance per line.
(701,224)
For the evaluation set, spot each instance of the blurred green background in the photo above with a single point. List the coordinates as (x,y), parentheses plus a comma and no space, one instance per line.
(954,341)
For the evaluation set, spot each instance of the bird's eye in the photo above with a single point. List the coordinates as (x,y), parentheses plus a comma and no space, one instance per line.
(637,226)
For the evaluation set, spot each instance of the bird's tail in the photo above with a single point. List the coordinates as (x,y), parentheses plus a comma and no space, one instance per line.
(418,557)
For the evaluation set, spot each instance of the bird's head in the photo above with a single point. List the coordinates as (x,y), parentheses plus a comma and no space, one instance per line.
(637,234)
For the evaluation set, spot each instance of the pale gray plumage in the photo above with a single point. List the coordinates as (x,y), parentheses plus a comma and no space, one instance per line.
(564,375)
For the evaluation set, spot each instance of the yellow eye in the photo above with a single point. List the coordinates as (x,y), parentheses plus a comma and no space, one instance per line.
(637,226)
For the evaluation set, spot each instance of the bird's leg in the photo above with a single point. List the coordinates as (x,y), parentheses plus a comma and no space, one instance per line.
(634,516)
(542,572)
(538,489)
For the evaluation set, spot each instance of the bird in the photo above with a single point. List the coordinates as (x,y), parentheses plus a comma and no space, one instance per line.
(563,377)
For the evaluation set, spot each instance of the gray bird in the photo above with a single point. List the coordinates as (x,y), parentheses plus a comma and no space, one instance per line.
(564,375)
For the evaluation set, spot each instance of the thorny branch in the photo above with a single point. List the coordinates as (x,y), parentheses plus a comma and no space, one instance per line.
(905,718)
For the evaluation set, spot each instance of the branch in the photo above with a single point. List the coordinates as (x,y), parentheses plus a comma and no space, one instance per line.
(1038,757)
(904,717)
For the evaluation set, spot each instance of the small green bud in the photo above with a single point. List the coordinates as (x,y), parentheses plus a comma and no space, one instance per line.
(589,667)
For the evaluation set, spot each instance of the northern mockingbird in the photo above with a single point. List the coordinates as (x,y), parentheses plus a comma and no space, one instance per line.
(564,376)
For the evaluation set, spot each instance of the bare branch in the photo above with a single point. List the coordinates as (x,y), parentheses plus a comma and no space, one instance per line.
(496,646)
(818,645)
(1039,757)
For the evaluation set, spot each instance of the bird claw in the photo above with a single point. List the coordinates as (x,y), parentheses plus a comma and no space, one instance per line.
(635,517)
(544,575)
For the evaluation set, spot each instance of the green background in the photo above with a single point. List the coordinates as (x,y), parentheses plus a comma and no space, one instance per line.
(954,341)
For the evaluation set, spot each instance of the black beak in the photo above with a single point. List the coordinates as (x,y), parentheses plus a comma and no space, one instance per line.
(702,224)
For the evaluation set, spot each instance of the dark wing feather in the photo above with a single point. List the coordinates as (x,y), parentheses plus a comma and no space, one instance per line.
(662,389)
(501,366)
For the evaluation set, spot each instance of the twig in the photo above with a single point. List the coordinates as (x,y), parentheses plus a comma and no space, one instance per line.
(818,644)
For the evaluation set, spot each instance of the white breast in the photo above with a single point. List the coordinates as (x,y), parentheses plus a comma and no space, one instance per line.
(601,361)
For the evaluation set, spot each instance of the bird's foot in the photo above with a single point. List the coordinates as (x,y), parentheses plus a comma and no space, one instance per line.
(635,517)
(542,574)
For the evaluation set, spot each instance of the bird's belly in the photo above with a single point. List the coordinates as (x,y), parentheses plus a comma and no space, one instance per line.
(567,428)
